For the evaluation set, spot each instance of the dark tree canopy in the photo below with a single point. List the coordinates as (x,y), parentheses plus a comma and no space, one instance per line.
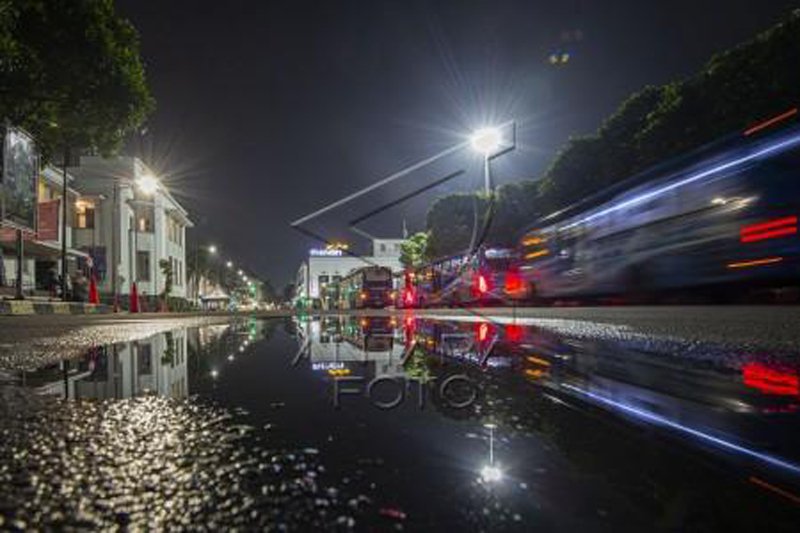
(753,81)
(71,74)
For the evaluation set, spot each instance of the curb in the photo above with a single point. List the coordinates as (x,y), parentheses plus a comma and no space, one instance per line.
(29,307)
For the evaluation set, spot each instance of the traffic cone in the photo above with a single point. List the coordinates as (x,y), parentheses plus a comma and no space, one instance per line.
(94,298)
(134,299)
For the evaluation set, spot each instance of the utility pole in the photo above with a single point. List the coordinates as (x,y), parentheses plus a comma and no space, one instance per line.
(64,225)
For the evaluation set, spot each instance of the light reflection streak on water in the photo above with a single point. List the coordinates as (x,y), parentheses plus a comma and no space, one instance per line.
(660,420)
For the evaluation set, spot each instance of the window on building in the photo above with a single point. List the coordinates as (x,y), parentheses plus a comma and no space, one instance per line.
(145,225)
(144,219)
(84,215)
(383,247)
(143,265)
(145,359)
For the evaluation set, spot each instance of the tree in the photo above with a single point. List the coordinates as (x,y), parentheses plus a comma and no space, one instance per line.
(413,250)
(288,292)
(452,221)
(268,292)
(71,74)
(166,270)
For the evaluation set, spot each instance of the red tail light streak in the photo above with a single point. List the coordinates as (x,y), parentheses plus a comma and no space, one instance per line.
(780,227)
(770,122)
(756,262)
(770,381)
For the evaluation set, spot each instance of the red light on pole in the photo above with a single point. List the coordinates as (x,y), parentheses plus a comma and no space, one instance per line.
(514,332)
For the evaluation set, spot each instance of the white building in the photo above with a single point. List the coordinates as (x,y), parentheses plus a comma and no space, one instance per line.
(325,266)
(129,231)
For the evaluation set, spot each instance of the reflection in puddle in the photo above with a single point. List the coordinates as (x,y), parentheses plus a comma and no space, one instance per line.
(497,426)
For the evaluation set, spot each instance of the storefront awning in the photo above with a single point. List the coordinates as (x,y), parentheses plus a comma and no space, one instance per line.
(40,250)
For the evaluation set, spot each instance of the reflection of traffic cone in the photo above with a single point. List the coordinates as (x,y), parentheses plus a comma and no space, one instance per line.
(94,298)
(134,301)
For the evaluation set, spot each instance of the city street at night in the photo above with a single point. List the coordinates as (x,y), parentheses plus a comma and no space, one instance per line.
(431,265)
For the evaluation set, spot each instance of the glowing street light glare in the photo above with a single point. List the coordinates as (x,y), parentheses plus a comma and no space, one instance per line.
(212,249)
(239,272)
(486,140)
(229,264)
(491,474)
(148,184)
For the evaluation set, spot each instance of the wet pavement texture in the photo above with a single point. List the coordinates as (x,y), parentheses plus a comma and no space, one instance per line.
(405,422)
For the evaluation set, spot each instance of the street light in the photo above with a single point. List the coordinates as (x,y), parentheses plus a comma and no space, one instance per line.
(229,264)
(486,141)
(148,184)
(212,249)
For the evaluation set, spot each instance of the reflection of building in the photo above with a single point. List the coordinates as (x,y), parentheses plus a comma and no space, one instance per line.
(336,343)
(129,229)
(328,266)
(156,365)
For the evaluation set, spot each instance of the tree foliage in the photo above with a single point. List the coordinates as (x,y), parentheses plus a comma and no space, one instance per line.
(71,74)
(166,271)
(453,219)
(413,250)
(753,81)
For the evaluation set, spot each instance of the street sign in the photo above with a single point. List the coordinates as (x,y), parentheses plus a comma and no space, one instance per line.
(18,179)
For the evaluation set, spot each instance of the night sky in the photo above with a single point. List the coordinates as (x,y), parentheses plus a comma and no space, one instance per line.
(270,110)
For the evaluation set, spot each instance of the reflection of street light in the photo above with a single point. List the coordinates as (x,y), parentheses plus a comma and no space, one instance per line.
(491,473)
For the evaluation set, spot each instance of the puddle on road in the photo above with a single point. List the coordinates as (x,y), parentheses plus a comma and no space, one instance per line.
(401,423)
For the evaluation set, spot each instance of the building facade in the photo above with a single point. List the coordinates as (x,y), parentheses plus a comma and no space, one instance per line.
(128,232)
(41,259)
(324,266)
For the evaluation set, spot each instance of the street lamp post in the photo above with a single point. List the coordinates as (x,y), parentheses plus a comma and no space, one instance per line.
(64,208)
(212,250)
(487,141)
(148,185)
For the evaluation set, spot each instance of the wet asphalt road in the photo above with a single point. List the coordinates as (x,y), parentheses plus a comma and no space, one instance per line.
(30,341)
(604,421)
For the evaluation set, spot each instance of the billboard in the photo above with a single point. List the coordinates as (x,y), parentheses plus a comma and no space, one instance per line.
(18,179)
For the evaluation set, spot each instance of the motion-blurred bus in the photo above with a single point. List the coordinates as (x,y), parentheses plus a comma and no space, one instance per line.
(367,287)
(723,226)
(489,276)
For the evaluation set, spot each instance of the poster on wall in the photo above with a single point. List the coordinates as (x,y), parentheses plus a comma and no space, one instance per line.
(19,171)
(48,220)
